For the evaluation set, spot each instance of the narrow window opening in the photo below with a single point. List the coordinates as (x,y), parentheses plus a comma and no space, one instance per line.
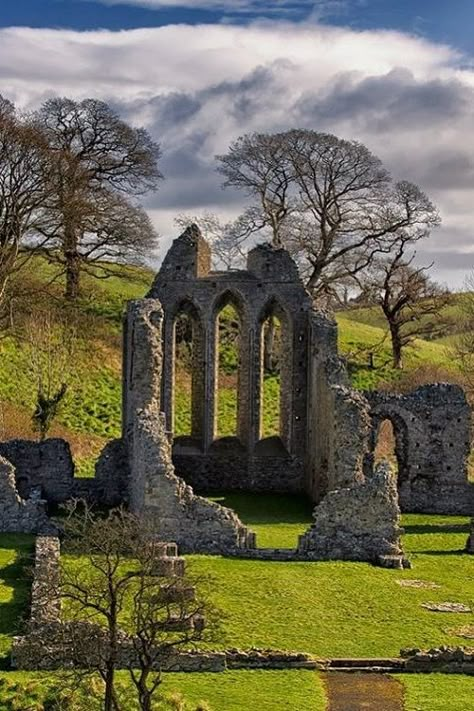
(228,369)
(385,447)
(183,367)
(271,405)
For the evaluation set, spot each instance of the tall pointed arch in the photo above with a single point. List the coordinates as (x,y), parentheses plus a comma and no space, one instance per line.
(185,395)
(275,370)
(228,319)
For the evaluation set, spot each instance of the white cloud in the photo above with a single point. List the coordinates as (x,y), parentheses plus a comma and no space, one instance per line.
(198,87)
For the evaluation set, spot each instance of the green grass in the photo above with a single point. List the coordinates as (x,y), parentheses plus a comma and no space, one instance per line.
(328,609)
(226,691)
(245,690)
(357,339)
(437,692)
(15,559)
(337,608)
(277,519)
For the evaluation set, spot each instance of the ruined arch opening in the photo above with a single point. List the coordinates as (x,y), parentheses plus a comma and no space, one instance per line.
(228,320)
(275,375)
(188,399)
(390,443)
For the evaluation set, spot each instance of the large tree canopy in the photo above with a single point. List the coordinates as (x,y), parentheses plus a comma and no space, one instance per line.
(330,201)
(98,165)
(24,188)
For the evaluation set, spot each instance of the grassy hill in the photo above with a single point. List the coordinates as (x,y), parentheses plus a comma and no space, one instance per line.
(91,412)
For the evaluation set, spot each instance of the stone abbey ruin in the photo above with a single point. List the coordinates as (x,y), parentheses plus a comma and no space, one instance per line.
(327,434)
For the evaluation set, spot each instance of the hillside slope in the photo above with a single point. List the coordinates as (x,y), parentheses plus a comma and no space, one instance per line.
(91,412)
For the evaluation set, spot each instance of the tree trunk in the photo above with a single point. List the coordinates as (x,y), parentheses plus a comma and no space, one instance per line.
(109,687)
(144,694)
(72,276)
(395,338)
(73,263)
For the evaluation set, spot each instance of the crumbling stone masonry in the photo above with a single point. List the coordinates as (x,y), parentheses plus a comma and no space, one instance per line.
(358,523)
(53,643)
(155,491)
(46,466)
(327,431)
(324,429)
(432,427)
(18,515)
(270,286)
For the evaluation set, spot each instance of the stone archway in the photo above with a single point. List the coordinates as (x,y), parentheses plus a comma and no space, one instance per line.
(400,428)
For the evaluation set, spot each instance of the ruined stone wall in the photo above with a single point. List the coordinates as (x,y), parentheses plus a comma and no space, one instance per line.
(361,522)
(338,417)
(18,515)
(432,427)
(155,491)
(46,465)
(269,286)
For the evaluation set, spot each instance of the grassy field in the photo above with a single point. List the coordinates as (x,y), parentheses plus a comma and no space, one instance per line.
(244,690)
(329,609)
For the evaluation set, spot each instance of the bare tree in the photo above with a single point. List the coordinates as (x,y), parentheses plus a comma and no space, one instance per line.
(23,188)
(410,301)
(328,200)
(98,165)
(119,588)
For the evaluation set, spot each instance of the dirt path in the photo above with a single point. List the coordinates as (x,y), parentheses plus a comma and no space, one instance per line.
(363,692)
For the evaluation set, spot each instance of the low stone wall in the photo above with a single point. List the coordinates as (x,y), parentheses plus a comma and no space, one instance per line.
(46,465)
(448,660)
(269,659)
(64,644)
(239,471)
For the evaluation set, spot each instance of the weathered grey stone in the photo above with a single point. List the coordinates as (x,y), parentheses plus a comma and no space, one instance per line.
(448,660)
(46,465)
(45,590)
(432,427)
(18,515)
(361,522)
(111,474)
(155,492)
(269,285)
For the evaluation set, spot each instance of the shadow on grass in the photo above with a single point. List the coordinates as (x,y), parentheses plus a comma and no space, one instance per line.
(255,509)
(457,552)
(436,528)
(15,576)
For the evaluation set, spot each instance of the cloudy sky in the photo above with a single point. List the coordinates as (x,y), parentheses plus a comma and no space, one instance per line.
(397,75)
